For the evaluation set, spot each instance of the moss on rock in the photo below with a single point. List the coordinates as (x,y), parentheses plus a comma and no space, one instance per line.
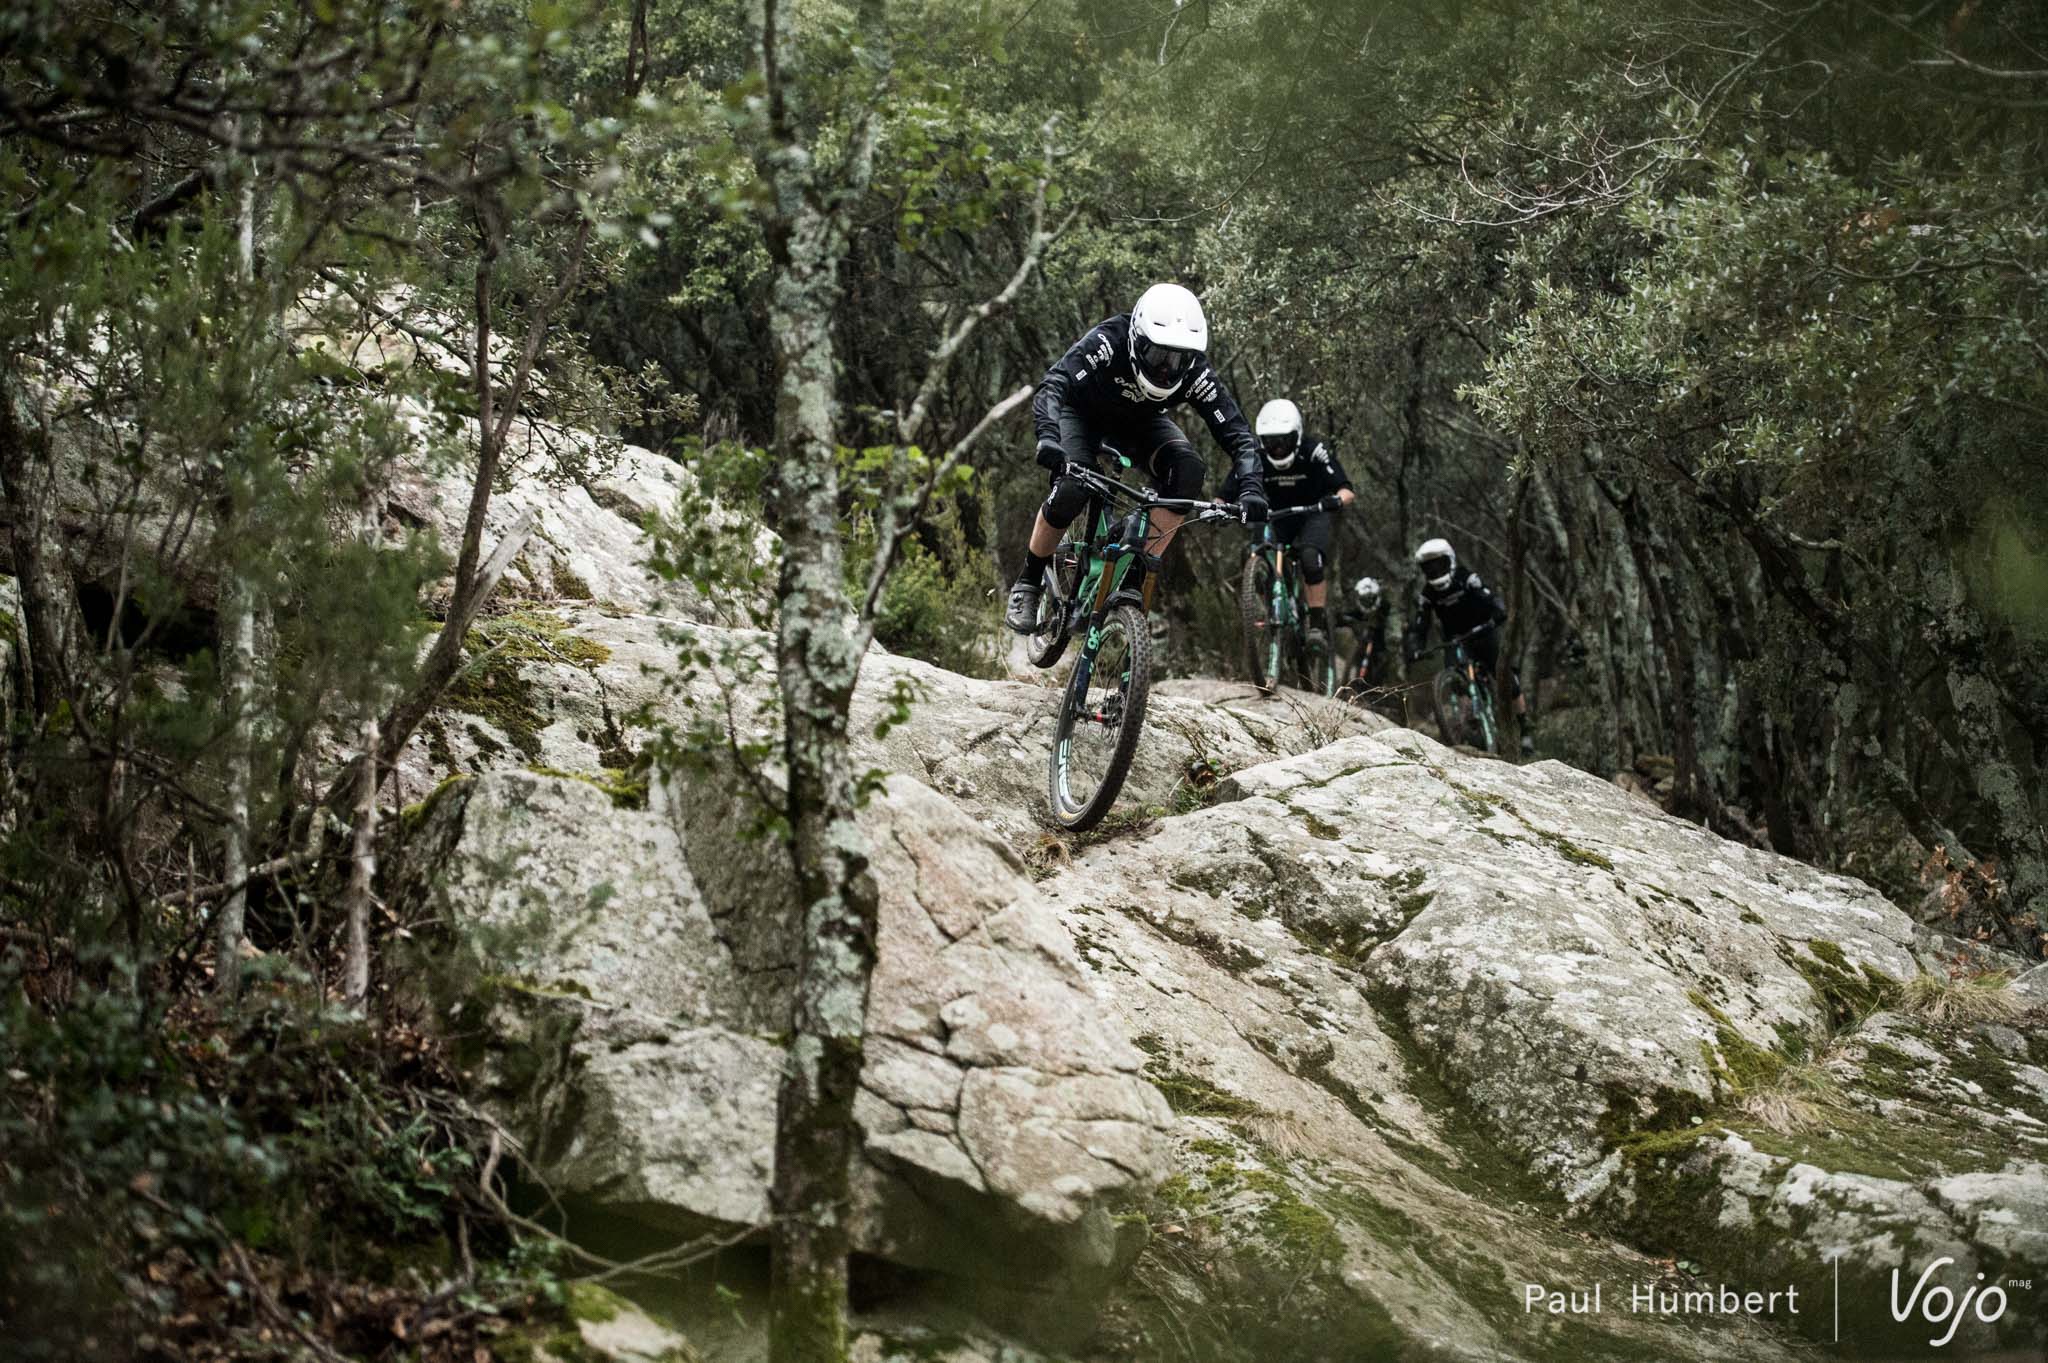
(492,685)
(1848,992)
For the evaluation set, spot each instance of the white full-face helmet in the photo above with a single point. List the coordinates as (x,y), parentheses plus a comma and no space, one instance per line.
(1167,332)
(1279,432)
(1367,591)
(1437,561)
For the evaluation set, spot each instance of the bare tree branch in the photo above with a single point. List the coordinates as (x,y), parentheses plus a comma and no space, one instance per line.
(912,421)
(901,516)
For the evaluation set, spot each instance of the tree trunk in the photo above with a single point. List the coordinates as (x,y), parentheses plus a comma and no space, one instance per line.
(1516,629)
(1413,453)
(818,661)
(238,674)
(47,608)
(1689,799)
(362,871)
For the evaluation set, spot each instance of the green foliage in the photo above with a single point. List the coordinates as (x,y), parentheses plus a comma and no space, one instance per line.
(935,612)
(285,1128)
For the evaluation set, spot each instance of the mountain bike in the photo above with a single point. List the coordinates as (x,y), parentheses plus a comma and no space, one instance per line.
(1361,683)
(1099,586)
(1463,695)
(1272,603)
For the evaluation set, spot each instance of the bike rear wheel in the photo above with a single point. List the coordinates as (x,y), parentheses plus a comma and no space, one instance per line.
(1319,664)
(1254,609)
(1044,645)
(1100,718)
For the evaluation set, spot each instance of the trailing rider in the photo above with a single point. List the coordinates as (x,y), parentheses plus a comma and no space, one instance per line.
(1113,389)
(1455,598)
(1300,470)
(1369,616)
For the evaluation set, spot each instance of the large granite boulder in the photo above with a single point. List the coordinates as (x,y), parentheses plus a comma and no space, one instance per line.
(606,1015)
(1331,1043)
(1416,988)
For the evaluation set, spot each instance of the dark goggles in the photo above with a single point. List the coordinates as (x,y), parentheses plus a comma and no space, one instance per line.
(1161,363)
(1280,446)
(1434,568)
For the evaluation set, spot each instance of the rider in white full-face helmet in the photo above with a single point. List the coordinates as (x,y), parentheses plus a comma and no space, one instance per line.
(1369,611)
(1452,596)
(1113,388)
(1302,475)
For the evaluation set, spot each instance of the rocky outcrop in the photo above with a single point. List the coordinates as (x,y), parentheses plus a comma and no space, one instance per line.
(1333,1011)
(1524,979)
(589,685)
(1332,1042)
(614,1029)
(589,504)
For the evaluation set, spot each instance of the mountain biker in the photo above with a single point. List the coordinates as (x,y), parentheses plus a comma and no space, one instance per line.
(1300,470)
(1456,599)
(1369,658)
(1113,389)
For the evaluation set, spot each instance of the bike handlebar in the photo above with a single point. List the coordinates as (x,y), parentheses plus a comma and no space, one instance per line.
(1452,642)
(1472,633)
(1204,512)
(1282,512)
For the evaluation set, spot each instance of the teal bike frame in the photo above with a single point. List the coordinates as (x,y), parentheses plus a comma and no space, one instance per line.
(1476,687)
(1284,609)
(1115,551)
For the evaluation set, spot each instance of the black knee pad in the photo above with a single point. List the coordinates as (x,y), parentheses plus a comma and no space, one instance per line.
(1177,470)
(1064,502)
(1312,566)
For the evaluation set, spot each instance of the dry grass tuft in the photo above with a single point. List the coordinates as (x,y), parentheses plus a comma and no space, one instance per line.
(1801,1096)
(1282,1133)
(1961,998)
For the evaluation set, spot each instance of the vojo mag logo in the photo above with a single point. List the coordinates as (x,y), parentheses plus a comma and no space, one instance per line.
(1941,1308)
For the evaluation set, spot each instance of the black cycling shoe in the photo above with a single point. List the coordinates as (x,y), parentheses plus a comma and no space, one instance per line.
(1022,613)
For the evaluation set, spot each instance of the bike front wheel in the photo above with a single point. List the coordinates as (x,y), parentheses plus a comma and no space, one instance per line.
(1254,609)
(1484,722)
(1100,718)
(1448,699)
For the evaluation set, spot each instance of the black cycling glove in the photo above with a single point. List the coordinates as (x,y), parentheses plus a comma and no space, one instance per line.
(1051,456)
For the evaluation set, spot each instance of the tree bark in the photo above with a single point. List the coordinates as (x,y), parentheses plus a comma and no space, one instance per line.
(238,681)
(818,661)
(47,608)
(1510,723)
(355,988)
(238,671)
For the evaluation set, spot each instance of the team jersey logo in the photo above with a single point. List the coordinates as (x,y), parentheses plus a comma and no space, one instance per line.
(1099,354)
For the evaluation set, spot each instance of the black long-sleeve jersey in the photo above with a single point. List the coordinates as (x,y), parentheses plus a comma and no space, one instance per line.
(1466,604)
(1315,473)
(1096,381)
